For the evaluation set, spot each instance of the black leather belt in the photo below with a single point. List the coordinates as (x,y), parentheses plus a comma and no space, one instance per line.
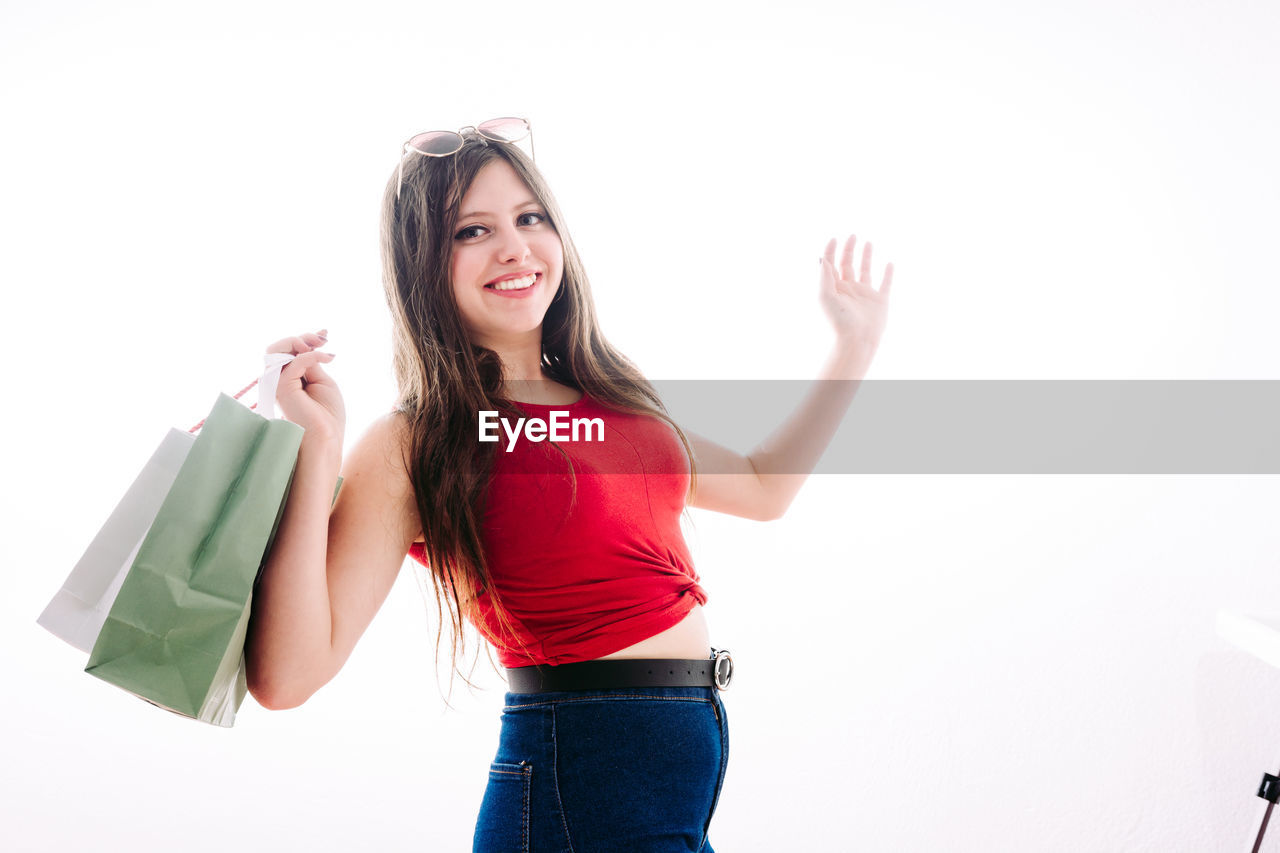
(715,671)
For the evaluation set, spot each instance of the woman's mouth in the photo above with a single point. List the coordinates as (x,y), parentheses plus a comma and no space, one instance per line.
(514,286)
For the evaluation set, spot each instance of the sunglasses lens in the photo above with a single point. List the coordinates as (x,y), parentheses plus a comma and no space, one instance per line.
(504,129)
(437,143)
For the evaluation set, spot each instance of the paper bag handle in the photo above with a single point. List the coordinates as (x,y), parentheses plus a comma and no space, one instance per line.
(275,362)
(267,385)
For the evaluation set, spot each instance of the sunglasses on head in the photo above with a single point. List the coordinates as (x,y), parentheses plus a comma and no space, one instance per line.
(446,143)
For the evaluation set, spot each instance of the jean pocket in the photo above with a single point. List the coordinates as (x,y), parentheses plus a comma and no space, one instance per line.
(503,824)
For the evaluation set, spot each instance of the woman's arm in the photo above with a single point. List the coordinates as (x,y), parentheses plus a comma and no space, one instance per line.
(762,484)
(329,571)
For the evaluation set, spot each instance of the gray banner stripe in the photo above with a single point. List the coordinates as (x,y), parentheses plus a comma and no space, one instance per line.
(1007,426)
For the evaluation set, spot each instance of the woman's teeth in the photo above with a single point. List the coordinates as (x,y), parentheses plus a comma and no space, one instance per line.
(516,283)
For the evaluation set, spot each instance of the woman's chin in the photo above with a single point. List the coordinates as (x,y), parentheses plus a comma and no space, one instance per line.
(507,335)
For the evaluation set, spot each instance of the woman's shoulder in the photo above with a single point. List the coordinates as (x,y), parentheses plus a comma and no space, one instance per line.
(391,429)
(382,451)
(377,492)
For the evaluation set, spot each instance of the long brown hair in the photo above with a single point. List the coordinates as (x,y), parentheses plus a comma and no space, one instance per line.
(445,380)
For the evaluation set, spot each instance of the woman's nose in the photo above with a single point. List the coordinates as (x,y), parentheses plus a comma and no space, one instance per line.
(512,245)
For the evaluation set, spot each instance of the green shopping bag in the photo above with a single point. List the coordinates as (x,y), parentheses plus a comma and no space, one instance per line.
(175,633)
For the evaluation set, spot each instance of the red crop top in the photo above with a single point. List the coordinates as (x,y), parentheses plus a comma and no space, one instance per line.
(581,582)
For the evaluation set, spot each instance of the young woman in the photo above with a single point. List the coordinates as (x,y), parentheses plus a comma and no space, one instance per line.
(566,555)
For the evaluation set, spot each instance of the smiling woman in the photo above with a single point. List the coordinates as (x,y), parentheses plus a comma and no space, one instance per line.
(568,557)
(506,266)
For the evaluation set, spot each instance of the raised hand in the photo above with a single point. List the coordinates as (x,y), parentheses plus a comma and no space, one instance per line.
(307,395)
(857,310)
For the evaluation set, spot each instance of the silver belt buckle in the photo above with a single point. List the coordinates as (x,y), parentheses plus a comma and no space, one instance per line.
(723,668)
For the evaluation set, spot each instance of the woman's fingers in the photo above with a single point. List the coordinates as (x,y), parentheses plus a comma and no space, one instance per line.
(295,346)
(306,367)
(845,279)
(308,397)
(299,344)
(846,259)
(828,275)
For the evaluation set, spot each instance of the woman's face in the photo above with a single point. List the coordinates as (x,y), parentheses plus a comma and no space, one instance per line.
(504,237)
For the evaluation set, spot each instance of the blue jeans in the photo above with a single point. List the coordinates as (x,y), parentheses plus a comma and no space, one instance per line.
(589,771)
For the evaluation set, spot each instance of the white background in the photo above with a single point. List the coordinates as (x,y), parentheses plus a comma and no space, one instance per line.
(925,663)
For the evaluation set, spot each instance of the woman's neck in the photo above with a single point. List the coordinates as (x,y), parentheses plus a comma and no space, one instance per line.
(524,379)
(522,372)
(521,358)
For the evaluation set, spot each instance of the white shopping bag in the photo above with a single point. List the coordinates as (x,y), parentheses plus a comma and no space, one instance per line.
(79,609)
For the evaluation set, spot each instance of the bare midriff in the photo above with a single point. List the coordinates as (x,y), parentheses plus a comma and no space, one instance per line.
(686,640)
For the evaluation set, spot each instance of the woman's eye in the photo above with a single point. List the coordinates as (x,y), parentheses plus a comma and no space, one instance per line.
(524,219)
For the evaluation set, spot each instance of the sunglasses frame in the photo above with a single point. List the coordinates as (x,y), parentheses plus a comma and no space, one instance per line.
(410,148)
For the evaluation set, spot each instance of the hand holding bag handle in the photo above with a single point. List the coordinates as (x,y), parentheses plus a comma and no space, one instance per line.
(306,394)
